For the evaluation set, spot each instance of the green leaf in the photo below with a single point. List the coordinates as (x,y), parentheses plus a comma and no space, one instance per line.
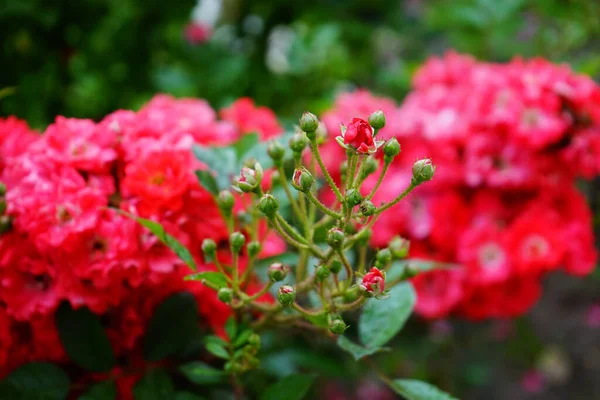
(245,144)
(231,328)
(212,279)
(106,390)
(381,320)
(215,339)
(173,325)
(155,385)
(293,387)
(221,160)
(36,381)
(202,374)
(412,389)
(159,231)
(187,396)
(242,338)
(208,181)
(84,339)
(217,350)
(357,351)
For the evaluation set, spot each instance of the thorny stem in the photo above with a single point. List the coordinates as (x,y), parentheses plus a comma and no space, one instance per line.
(311,197)
(286,187)
(397,199)
(315,152)
(379,180)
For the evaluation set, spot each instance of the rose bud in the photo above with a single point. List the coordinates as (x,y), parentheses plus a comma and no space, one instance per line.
(268,205)
(399,247)
(337,326)
(371,166)
(286,295)
(335,267)
(384,257)
(322,273)
(248,180)
(254,248)
(423,171)
(390,150)
(209,248)
(225,201)
(309,122)
(353,197)
(373,282)
(236,241)
(335,237)
(302,180)
(276,151)
(377,119)
(225,295)
(298,142)
(367,208)
(358,135)
(277,272)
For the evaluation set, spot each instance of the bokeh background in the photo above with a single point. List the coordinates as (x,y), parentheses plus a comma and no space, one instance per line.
(87,58)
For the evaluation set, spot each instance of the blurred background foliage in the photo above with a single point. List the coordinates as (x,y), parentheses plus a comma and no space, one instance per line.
(86,58)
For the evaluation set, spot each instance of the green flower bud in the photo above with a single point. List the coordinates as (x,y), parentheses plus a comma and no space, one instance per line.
(335,267)
(309,122)
(384,257)
(367,208)
(335,238)
(225,295)
(302,180)
(390,150)
(268,205)
(322,273)
(423,171)
(286,295)
(254,340)
(254,248)
(352,294)
(399,247)
(298,142)
(410,271)
(209,248)
(2,207)
(353,197)
(337,326)
(236,241)
(277,272)
(377,119)
(371,166)
(2,189)
(226,201)
(249,180)
(276,151)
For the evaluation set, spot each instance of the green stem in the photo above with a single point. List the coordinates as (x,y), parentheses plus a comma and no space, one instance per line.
(311,197)
(358,179)
(397,199)
(351,306)
(379,180)
(258,294)
(304,311)
(293,232)
(350,169)
(286,236)
(235,281)
(362,258)
(286,187)
(346,265)
(315,152)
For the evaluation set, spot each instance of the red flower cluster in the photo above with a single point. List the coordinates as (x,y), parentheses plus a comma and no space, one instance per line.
(509,142)
(66,244)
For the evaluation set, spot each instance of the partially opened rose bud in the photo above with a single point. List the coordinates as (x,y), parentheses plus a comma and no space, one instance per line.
(253,248)
(335,238)
(302,180)
(298,142)
(353,197)
(248,180)
(225,295)
(335,267)
(236,241)
(399,247)
(373,282)
(384,257)
(286,295)
(358,135)
(277,272)
(225,201)
(276,151)
(268,205)
(371,166)
(423,171)
(309,122)
(322,273)
(377,119)
(367,208)
(209,248)
(390,150)
(337,326)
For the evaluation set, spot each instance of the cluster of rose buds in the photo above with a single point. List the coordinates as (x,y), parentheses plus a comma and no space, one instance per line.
(510,141)
(324,265)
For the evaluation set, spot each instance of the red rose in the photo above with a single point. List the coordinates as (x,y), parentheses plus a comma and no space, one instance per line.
(359,135)
(373,281)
